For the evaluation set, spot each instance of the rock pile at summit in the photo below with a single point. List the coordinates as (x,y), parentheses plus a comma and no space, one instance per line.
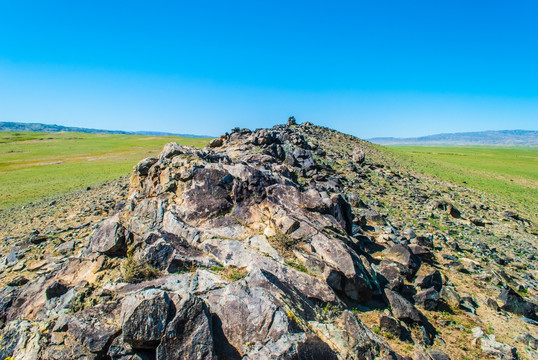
(295,242)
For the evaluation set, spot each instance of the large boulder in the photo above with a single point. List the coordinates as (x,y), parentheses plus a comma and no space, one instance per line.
(109,238)
(430,279)
(208,197)
(189,335)
(358,155)
(515,303)
(253,310)
(391,274)
(144,316)
(393,326)
(95,327)
(428,299)
(402,254)
(401,308)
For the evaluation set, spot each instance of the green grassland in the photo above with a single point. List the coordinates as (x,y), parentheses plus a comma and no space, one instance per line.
(510,173)
(34,165)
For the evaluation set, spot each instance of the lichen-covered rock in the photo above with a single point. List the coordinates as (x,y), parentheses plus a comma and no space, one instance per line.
(110,238)
(144,317)
(189,335)
(95,327)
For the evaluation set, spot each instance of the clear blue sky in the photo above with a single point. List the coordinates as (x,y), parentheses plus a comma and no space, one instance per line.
(369,68)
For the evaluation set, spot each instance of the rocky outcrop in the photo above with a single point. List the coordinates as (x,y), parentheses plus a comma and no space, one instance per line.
(267,244)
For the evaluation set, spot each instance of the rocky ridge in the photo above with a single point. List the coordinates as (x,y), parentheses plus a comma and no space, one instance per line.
(295,242)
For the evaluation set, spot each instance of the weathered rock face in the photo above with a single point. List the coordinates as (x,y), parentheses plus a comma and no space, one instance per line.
(110,238)
(189,335)
(144,318)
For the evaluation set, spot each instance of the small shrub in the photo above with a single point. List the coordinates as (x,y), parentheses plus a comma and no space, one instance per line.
(231,273)
(284,240)
(331,311)
(297,266)
(134,271)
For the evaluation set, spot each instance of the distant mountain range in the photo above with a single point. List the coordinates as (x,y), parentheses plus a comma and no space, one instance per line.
(16,126)
(502,137)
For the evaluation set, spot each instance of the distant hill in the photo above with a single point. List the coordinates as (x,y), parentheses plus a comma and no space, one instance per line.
(502,137)
(16,126)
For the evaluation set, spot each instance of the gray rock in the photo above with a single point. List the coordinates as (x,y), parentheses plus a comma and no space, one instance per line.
(492,347)
(66,248)
(147,216)
(515,303)
(391,274)
(424,241)
(451,297)
(352,339)
(438,355)
(402,254)
(391,325)
(409,233)
(216,143)
(209,197)
(294,346)
(109,238)
(341,210)
(401,308)
(143,166)
(358,155)
(235,253)
(158,254)
(120,350)
(172,149)
(189,335)
(144,317)
(428,299)
(94,327)
(252,310)
(422,253)
(431,279)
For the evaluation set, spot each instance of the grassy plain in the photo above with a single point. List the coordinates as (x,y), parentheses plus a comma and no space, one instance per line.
(510,173)
(34,165)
